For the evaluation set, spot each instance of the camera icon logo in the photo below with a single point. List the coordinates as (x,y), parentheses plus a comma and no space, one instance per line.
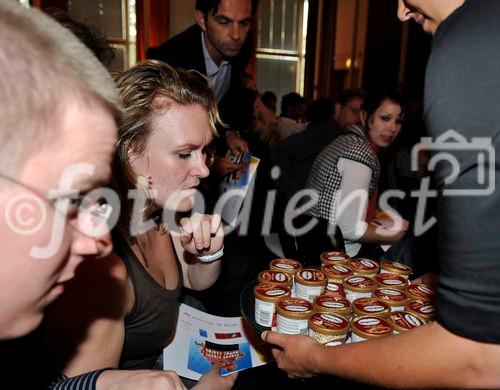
(444,149)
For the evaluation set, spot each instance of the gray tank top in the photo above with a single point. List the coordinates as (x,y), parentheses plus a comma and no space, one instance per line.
(153,318)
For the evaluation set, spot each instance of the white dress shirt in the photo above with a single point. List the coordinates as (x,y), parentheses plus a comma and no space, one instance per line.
(219,77)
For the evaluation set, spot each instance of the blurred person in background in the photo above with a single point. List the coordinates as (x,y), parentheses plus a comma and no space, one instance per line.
(349,107)
(291,119)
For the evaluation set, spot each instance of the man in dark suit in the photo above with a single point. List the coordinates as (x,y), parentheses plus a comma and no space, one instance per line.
(218,46)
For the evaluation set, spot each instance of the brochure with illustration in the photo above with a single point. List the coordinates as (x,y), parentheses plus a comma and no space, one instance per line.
(202,339)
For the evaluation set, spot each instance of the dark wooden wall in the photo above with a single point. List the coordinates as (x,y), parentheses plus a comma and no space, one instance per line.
(152,24)
(323,61)
(383,52)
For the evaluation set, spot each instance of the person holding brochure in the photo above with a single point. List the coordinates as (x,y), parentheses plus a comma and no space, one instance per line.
(121,311)
(462,348)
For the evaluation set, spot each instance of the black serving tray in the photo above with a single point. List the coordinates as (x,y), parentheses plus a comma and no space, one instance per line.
(247,306)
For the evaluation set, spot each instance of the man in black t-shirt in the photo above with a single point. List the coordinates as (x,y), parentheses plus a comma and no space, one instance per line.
(462,348)
(462,93)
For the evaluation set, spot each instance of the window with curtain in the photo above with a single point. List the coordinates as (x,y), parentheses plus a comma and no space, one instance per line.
(281,39)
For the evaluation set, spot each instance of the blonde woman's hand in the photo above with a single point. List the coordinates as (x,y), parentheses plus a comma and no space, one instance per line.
(202,234)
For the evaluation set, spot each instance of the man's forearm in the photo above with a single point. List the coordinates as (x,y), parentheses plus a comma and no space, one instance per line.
(425,357)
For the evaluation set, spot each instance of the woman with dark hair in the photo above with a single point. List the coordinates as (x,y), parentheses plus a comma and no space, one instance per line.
(345,174)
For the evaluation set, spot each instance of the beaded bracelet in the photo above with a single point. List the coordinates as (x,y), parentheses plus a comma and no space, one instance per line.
(214,256)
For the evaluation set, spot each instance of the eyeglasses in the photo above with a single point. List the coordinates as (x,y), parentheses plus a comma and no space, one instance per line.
(84,215)
(354,110)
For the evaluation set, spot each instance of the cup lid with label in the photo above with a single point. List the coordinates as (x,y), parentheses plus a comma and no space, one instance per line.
(394,267)
(270,293)
(285,265)
(333,288)
(336,271)
(364,266)
(334,257)
(391,280)
(422,308)
(359,283)
(371,327)
(391,296)
(296,308)
(277,278)
(329,324)
(421,291)
(311,277)
(370,307)
(332,304)
(404,320)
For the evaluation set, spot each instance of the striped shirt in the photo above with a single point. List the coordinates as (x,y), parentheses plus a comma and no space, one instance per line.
(81,382)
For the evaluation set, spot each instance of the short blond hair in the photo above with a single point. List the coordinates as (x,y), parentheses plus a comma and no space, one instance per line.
(42,66)
(148,89)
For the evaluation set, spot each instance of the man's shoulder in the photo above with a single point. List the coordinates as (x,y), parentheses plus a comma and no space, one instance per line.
(328,127)
(182,49)
(190,34)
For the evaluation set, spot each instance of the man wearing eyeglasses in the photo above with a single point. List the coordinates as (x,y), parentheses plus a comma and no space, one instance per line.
(348,108)
(59,110)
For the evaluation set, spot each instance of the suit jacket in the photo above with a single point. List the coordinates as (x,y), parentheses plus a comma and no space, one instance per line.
(185,51)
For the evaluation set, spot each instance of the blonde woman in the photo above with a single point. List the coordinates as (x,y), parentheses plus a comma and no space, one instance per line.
(121,312)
